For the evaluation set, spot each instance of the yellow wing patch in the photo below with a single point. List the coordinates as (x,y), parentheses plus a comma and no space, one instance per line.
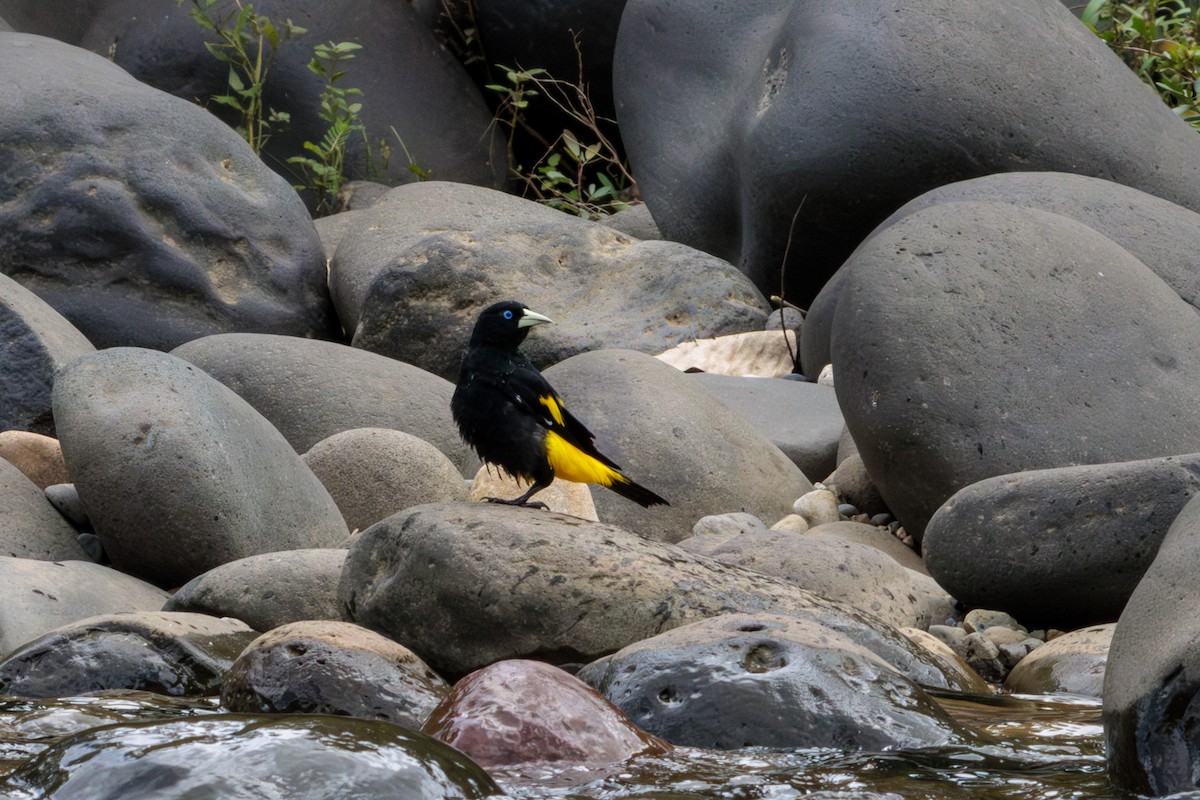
(572,464)
(553,406)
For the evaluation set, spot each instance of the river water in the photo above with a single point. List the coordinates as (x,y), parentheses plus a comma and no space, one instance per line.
(1046,747)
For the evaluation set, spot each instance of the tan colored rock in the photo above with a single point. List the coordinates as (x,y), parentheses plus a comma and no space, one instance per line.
(38,456)
(762,354)
(565,497)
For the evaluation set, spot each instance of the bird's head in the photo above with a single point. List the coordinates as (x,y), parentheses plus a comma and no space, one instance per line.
(505,324)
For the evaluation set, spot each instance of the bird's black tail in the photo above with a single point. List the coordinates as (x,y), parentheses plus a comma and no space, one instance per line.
(636,492)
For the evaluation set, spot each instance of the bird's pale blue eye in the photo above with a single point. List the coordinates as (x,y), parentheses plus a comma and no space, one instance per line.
(508,315)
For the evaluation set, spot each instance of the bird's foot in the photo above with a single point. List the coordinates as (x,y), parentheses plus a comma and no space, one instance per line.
(517,502)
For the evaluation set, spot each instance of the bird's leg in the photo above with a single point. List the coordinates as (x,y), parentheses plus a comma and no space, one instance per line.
(523,500)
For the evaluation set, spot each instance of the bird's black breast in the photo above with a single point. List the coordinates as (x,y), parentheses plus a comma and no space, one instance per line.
(495,419)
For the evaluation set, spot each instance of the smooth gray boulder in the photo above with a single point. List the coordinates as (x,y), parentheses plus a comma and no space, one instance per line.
(1153,672)
(1162,235)
(374,472)
(268,590)
(979,339)
(178,473)
(175,654)
(467,584)
(435,113)
(332,667)
(674,437)
(30,527)
(297,756)
(411,276)
(1060,547)
(38,596)
(839,569)
(768,680)
(757,115)
(801,419)
(311,390)
(139,216)
(1073,663)
(38,341)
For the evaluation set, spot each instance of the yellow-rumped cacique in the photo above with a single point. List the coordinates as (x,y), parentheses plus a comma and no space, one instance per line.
(515,420)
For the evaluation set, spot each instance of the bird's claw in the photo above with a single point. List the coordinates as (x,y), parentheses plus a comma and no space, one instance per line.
(517,502)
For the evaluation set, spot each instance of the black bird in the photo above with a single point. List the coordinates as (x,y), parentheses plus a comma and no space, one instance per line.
(514,419)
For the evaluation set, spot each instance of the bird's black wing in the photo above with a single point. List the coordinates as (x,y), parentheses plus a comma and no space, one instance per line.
(531,389)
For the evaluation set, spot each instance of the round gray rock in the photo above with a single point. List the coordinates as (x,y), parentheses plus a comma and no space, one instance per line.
(267,590)
(1162,235)
(29,526)
(411,277)
(1059,547)
(979,339)
(311,390)
(676,438)
(178,473)
(842,570)
(467,584)
(765,680)
(38,596)
(801,419)
(1072,664)
(139,216)
(374,472)
(325,667)
(880,538)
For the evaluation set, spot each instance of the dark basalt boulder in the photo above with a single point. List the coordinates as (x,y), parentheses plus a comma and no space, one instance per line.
(739,118)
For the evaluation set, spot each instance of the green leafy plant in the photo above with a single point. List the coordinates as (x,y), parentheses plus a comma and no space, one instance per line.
(581,173)
(248,42)
(1160,41)
(324,165)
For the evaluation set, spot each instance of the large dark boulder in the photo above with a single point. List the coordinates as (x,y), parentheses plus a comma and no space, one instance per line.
(138,216)
(415,96)
(739,117)
(412,274)
(1061,547)
(301,757)
(572,40)
(979,339)
(178,473)
(1151,686)
(1162,235)
(169,653)
(38,341)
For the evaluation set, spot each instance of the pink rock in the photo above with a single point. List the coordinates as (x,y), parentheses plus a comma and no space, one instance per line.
(519,711)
